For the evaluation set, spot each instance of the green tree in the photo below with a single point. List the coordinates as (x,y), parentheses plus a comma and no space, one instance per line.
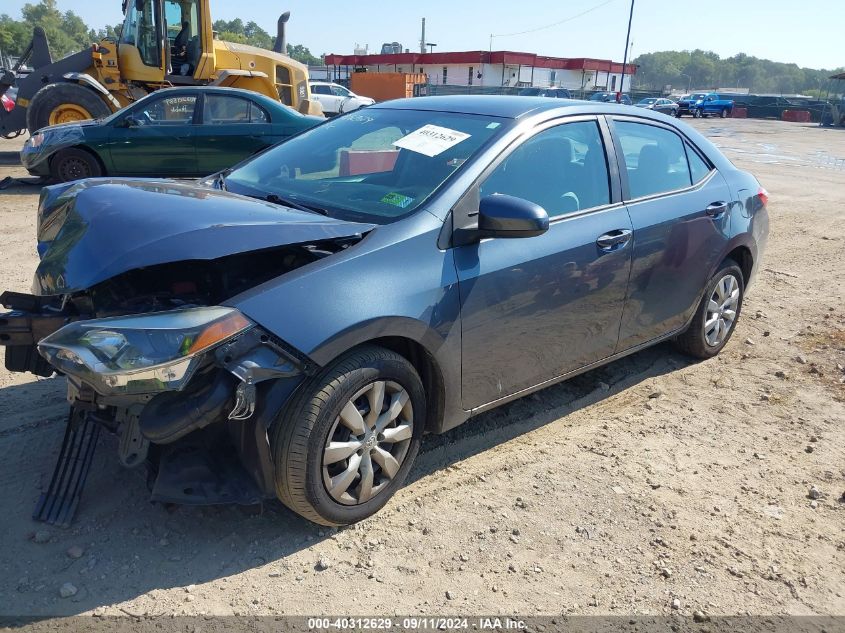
(301,54)
(706,70)
(14,36)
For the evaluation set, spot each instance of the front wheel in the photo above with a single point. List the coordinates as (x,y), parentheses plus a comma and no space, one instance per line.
(346,441)
(74,163)
(696,114)
(717,314)
(723,114)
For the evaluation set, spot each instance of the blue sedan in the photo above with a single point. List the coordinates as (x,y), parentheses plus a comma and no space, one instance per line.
(301,320)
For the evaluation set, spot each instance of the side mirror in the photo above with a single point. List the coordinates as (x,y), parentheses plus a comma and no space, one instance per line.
(129,121)
(500,215)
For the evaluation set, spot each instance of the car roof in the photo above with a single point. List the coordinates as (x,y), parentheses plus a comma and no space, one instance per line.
(223,90)
(509,107)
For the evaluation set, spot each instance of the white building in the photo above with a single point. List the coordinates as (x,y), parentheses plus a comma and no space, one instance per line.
(494,69)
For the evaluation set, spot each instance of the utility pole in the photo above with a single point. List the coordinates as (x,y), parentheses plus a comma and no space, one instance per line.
(625,59)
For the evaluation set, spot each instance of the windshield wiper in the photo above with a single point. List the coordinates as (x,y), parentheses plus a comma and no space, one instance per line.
(220,179)
(286,202)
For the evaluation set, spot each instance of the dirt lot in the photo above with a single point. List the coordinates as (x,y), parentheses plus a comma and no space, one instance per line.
(652,481)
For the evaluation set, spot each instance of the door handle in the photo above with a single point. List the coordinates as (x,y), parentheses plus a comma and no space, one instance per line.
(613,240)
(716,209)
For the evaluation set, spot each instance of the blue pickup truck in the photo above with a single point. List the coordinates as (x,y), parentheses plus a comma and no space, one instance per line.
(704,105)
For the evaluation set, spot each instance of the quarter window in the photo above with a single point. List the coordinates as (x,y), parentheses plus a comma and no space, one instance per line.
(563,169)
(655,159)
(697,167)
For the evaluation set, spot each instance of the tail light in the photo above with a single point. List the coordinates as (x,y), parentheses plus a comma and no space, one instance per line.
(8,104)
(764,196)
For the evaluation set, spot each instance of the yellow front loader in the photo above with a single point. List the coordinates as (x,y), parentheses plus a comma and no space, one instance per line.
(162,43)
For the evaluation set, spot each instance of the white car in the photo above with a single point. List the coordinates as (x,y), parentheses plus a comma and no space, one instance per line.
(335,99)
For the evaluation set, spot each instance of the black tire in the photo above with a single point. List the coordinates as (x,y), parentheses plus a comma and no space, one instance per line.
(696,114)
(723,114)
(693,340)
(74,163)
(54,95)
(300,436)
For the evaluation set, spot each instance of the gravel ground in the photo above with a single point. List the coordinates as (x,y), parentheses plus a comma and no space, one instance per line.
(652,486)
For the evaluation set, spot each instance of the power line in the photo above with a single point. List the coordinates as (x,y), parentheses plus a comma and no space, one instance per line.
(548,26)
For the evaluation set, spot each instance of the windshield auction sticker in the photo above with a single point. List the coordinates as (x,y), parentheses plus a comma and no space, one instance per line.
(431,140)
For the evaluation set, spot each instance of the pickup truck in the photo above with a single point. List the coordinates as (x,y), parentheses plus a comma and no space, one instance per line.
(711,104)
(686,103)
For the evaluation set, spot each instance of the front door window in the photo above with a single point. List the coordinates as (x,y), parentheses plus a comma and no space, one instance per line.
(175,110)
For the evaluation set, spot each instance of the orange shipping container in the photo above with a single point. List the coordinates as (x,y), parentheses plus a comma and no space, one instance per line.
(384,86)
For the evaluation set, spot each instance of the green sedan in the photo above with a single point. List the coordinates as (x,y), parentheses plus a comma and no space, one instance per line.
(173,132)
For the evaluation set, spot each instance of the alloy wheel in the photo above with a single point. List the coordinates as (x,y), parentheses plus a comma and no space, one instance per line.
(721,310)
(368,442)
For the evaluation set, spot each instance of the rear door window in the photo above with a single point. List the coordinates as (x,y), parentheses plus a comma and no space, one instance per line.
(655,159)
(226,110)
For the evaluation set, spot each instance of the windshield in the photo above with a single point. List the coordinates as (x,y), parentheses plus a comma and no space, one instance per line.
(529,92)
(648,101)
(599,96)
(376,165)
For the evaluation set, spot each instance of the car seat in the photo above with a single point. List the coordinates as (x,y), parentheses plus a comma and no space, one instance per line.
(541,171)
(652,172)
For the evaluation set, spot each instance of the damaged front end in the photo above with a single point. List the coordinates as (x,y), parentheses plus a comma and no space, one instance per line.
(128,305)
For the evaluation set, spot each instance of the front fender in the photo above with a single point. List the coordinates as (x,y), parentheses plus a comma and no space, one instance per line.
(394,283)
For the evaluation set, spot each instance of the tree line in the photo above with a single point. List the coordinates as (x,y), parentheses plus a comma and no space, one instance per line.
(68,33)
(706,70)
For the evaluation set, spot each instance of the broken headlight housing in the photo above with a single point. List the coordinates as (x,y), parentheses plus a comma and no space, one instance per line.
(147,353)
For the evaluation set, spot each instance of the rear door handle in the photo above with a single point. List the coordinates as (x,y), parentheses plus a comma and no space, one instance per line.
(716,209)
(613,240)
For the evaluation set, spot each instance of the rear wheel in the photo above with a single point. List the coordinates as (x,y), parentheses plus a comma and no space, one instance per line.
(717,315)
(63,103)
(347,440)
(74,163)
(723,113)
(696,114)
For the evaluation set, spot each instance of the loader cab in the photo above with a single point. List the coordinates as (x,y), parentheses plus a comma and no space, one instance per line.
(166,40)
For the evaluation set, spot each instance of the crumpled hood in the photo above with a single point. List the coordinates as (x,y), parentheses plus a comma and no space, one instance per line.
(95,229)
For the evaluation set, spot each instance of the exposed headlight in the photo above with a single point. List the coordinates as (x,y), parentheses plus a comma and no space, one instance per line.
(146,353)
(36,140)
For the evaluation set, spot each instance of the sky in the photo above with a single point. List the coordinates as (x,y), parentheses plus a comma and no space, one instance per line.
(772,29)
